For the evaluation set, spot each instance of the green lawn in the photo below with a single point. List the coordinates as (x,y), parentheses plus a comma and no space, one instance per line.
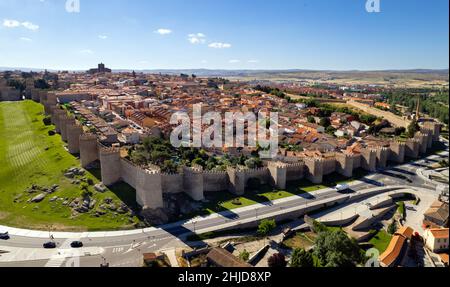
(381,240)
(28,155)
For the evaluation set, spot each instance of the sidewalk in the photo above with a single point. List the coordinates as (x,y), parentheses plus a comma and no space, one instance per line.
(15,254)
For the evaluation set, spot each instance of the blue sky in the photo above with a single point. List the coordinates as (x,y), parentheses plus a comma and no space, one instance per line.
(225,34)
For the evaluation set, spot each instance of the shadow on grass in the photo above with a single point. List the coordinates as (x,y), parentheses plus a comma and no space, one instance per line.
(125,192)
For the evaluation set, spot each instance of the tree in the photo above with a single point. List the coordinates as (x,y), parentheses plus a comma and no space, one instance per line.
(311,120)
(319,227)
(277,260)
(392,228)
(330,130)
(325,122)
(301,258)
(266,226)
(198,161)
(399,131)
(336,249)
(41,84)
(244,255)
(169,166)
(412,129)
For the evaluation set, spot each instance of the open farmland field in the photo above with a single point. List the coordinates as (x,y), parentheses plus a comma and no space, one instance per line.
(29,156)
(398,79)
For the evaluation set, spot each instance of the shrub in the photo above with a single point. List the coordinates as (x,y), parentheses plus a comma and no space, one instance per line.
(244,255)
(301,258)
(392,228)
(237,201)
(266,226)
(47,121)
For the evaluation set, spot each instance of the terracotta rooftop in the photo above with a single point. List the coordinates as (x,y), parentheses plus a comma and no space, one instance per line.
(439,232)
(223,258)
(395,247)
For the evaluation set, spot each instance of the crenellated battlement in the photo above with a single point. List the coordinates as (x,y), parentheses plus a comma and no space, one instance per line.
(109,150)
(214,172)
(88,137)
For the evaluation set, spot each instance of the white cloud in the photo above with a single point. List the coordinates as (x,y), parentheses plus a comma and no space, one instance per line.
(102,37)
(87,52)
(204,61)
(25,39)
(234,61)
(163,31)
(198,38)
(253,61)
(14,24)
(218,45)
(30,26)
(11,23)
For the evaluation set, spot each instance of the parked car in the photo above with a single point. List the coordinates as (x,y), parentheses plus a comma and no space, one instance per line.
(342,187)
(76,244)
(49,245)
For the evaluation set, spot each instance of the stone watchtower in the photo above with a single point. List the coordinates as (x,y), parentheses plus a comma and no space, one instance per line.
(73,137)
(382,156)
(369,159)
(65,120)
(237,181)
(88,149)
(314,169)
(422,138)
(149,192)
(58,114)
(435,129)
(193,182)
(110,165)
(344,164)
(412,148)
(397,152)
(278,174)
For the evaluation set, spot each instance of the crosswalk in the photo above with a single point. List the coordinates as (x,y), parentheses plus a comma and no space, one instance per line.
(117,250)
(55,262)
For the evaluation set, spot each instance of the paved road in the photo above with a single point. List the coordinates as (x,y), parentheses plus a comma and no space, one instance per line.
(125,250)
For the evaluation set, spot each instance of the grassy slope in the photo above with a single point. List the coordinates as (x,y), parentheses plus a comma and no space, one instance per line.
(29,156)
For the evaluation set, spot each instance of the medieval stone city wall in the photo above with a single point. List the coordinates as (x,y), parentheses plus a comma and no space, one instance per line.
(88,149)
(329,166)
(151,184)
(314,169)
(295,171)
(172,183)
(9,94)
(215,181)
